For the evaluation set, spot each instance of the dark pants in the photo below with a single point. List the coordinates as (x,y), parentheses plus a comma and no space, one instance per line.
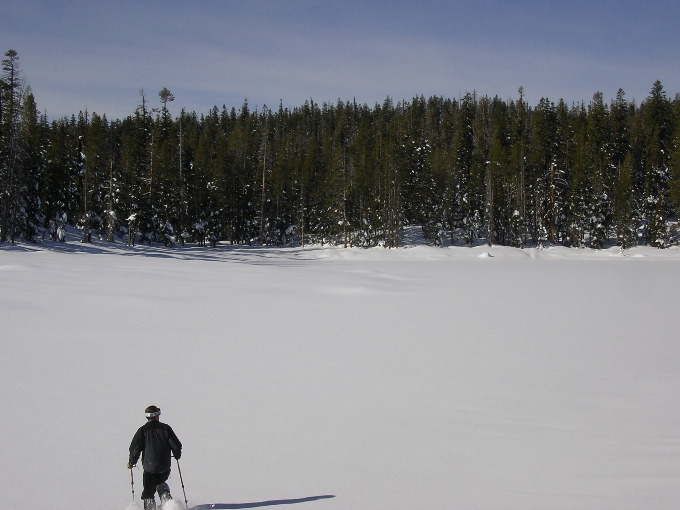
(154,482)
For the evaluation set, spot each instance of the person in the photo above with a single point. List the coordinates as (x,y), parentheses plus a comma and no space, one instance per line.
(154,441)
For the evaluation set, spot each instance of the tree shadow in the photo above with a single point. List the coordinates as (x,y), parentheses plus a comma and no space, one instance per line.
(223,252)
(227,506)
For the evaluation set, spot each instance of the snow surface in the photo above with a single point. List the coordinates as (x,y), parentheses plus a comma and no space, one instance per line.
(419,378)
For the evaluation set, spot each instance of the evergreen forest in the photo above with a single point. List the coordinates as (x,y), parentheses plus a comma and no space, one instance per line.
(466,170)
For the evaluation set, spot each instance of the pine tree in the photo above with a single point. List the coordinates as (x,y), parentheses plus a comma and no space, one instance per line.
(240,178)
(135,180)
(460,191)
(60,197)
(481,185)
(600,162)
(113,186)
(281,170)
(165,198)
(658,131)
(542,160)
(30,180)
(96,168)
(10,170)
(392,198)
(624,210)
(561,172)
(518,167)
(364,159)
(499,179)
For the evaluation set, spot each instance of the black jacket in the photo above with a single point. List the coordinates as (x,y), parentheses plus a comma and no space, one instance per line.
(155,441)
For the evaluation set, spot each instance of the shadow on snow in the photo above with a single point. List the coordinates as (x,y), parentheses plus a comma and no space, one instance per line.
(253,255)
(225,506)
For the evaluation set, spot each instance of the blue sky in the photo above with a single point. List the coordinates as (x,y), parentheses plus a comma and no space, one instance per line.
(98,55)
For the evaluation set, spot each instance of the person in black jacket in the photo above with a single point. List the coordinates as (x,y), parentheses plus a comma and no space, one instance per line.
(154,441)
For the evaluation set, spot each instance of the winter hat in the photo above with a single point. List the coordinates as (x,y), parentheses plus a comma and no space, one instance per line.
(152,411)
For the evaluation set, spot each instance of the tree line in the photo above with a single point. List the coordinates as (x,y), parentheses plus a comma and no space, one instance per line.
(464,170)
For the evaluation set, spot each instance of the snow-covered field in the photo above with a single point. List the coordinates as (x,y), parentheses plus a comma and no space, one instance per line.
(418,378)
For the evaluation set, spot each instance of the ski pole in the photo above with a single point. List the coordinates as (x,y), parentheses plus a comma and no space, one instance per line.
(179,470)
(132,484)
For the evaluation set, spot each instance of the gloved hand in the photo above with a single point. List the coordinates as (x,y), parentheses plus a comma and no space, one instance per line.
(130,465)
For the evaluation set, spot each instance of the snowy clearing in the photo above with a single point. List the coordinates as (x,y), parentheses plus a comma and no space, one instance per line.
(419,378)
